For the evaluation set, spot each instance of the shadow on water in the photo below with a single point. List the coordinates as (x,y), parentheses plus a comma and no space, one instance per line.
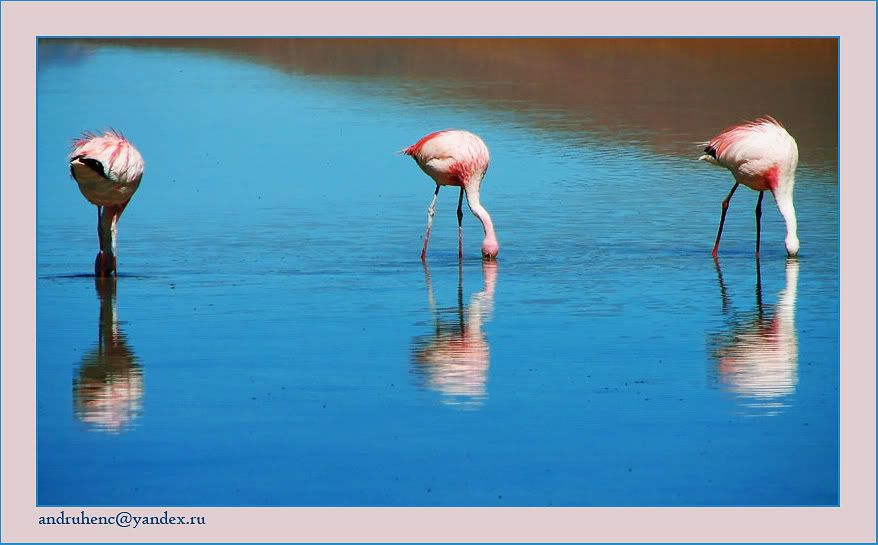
(757,359)
(89,275)
(454,359)
(108,387)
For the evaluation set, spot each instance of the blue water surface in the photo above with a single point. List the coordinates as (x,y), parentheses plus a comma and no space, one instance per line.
(274,339)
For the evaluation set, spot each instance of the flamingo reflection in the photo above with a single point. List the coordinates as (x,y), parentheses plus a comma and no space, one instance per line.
(454,359)
(758,359)
(108,389)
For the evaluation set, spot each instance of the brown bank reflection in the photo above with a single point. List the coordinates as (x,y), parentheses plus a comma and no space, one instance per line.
(454,359)
(108,387)
(758,358)
(663,92)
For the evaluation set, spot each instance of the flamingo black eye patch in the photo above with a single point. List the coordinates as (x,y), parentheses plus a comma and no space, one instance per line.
(710,150)
(93,164)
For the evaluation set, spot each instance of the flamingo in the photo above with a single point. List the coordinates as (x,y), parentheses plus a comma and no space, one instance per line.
(108,169)
(456,158)
(762,155)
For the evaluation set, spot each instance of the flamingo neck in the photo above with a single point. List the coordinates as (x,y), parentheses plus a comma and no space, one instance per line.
(109,217)
(489,244)
(784,200)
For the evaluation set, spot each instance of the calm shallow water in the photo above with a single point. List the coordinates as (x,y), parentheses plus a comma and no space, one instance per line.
(274,339)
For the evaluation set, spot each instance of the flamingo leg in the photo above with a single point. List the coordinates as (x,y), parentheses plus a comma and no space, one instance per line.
(101,258)
(431,210)
(758,220)
(460,225)
(100,232)
(113,221)
(722,218)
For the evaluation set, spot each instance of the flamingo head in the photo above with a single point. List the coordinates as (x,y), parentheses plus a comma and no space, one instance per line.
(490,249)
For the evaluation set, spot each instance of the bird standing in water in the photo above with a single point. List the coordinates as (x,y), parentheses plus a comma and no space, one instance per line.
(762,155)
(108,169)
(460,159)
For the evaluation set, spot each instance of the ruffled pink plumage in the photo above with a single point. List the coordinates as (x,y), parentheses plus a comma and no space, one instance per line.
(415,148)
(720,145)
(451,157)
(107,167)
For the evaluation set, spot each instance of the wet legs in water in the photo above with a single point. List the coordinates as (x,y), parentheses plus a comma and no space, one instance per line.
(102,267)
(105,262)
(722,218)
(431,210)
(100,232)
(460,225)
(758,221)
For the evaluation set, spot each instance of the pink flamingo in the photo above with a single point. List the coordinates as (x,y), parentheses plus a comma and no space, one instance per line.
(107,169)
(456,158)
(762,155)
